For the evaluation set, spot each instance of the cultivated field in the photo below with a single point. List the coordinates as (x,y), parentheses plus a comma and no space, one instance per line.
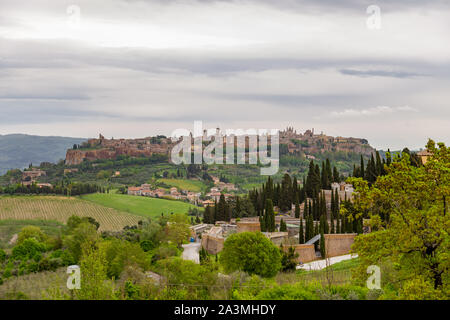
(143,206)
(61,208)
(183,184)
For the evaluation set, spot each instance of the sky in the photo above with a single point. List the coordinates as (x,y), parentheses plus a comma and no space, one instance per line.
(130,68)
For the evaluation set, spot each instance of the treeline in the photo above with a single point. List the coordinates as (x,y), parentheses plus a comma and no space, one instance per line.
(70,189)
(376,165)
(289,192)
(315,217)
(122,161)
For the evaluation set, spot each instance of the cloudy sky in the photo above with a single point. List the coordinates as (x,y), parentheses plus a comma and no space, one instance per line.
(130,68)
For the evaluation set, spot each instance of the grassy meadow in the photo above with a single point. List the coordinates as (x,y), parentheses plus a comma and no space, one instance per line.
(141,206)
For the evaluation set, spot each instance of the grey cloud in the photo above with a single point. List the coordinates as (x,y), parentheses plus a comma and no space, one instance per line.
(290,100)
(380,73)
(44,97)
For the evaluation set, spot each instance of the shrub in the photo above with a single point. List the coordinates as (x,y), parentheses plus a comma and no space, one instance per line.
(31,232)
(251,252)
(2,255)
(27,249)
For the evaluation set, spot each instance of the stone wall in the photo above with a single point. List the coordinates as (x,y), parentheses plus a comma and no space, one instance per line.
(338,244)
(248,226)
(212,245)
(306,252)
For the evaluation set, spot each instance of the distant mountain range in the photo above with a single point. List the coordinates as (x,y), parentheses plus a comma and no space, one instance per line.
(19,150)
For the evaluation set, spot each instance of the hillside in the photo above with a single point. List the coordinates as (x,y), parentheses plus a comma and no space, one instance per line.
(19,150)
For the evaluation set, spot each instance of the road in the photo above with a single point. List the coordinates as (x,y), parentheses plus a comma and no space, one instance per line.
(321,264)
(191,252)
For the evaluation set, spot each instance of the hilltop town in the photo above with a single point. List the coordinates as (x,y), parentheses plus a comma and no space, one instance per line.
(307,143)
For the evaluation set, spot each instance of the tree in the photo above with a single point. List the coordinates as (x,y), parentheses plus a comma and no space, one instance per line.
(288,259)
(408,212)
(81,234)
(283,226)
(297,209)
(322,245)
(361,170)
(93,267)
(178,230)
(286,195)
(31,232)
(335,175)
(301,235)
(269,217)
(251,252)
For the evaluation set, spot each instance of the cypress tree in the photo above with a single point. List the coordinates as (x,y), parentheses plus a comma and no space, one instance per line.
(333,205)
(262,223)
(322,245)
(305,209)
(316,228)
(318,182)
(297,210)
(361,170)
(388,158)
(269,216)
(215,211)
(222,210)
(324,176)
(301,236)
(283,226)
(286,194)
(295,190)
(379,165)
(308,232)
(335,175)
(332,230)
(208,216)
(309,184)
(313,228)
(338,225)
(329,174)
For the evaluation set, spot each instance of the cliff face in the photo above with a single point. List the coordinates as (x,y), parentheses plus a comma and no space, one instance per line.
(74,157)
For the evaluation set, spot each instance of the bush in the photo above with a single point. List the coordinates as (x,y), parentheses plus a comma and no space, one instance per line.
(28,249)
(251,252)
(2,256)
(198,279)
(30,232)
(288,292)
(119,254)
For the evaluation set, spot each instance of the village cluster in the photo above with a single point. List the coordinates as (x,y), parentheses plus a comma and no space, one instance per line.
(209,198)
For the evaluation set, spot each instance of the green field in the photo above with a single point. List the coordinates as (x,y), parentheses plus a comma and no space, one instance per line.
(190,185)
(142,206)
